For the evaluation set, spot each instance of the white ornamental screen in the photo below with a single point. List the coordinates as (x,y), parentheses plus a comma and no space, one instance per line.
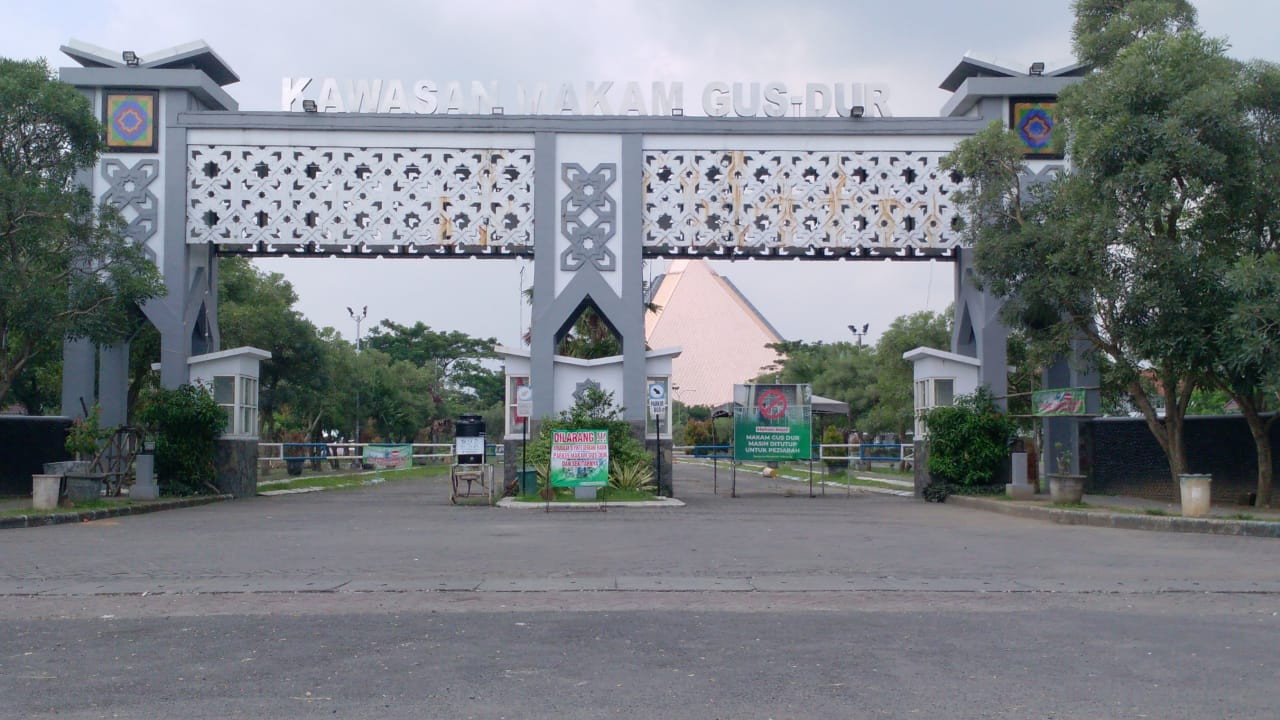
(342,200)
(799,203)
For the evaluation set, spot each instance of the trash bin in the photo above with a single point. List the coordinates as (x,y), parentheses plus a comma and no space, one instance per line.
(528,478)
(469,434)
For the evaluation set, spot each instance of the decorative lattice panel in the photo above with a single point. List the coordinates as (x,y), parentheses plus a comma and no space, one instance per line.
(336,200)
(784,203)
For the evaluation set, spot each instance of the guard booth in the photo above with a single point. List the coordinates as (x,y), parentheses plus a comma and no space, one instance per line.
(470,475)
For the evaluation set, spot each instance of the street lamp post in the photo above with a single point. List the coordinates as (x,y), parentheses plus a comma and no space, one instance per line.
(859,333)
(358,317)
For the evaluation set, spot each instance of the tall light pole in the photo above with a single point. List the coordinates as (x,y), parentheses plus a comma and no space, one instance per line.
(358,317)
(859,334)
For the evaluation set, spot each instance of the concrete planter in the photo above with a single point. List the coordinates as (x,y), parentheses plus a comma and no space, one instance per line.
(1066,489)
(1195,494)
(45,490)
(81,488)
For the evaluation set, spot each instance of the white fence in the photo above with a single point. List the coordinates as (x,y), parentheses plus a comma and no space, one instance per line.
(342,455)
(864,455)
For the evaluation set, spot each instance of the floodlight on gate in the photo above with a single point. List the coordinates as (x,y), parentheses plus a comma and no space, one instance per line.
(130,58)
(677,112)
(857,111)
(1037,69)
(309,106)
(497,110)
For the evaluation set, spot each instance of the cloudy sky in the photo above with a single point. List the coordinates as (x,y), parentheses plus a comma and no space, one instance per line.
(910,45)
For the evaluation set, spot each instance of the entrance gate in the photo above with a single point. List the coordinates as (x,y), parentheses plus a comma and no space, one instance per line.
(589,198)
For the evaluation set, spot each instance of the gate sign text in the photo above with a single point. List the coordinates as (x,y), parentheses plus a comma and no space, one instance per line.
(717,98)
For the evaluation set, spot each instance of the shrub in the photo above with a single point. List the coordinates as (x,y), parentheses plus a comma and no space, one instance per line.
(187,423)
(697,432)
(833,436)
(969,441)
(637,476)
(595,411)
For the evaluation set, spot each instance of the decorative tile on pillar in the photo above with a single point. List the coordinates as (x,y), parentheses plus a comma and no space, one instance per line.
(129,191)
(130,118)
(588,217)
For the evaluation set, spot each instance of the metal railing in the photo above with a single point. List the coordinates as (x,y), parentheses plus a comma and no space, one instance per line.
(866,454)
(339,453)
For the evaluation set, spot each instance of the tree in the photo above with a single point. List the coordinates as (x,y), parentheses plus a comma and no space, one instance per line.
(1124,248)
(840,371)
(893,376)
(454,355)
(67,269)
(257,309)
(1105,27)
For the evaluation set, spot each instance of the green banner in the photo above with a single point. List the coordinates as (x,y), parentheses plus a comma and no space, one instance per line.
(580,458)
(772,422)
(388,456)
(1059,402)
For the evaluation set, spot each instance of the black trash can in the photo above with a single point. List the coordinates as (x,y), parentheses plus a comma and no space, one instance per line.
(470,427)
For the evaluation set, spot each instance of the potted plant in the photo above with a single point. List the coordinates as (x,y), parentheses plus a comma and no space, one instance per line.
(1064,487)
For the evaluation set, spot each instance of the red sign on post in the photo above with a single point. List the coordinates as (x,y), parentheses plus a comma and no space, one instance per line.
(772,404)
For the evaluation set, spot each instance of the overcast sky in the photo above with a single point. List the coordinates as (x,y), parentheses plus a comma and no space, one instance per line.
(910,44)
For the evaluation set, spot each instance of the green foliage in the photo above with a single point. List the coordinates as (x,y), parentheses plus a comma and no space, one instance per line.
(697,432)
(590,337)
(67,269)
(833,436)
(894,410)
(635,476)
(186,422)
(1103,28)
(452,355)
(1173,147)
(969,441)
(595,411)
(257,309)
(85,434)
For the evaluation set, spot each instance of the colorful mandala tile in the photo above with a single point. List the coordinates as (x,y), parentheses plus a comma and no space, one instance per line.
(131,121)
(1034,122)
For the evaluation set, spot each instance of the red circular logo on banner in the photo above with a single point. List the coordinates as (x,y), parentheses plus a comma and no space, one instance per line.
(772,404)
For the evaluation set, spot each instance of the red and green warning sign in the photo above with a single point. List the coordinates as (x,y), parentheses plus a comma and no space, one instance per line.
(772,422)
(580,458)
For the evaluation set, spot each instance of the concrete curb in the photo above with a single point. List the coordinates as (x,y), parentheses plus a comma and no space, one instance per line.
(59,518)
(1126,521)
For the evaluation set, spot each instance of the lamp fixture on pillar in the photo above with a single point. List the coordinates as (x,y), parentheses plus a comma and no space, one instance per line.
(859,333)
(309,105)
(1037,69)
(130,58)
(857,111)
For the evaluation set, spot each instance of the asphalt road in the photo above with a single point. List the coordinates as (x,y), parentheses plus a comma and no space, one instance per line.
(388,602)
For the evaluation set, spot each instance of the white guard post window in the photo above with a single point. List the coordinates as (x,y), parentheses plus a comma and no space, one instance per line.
(515,423)
(237,395)
(931,393)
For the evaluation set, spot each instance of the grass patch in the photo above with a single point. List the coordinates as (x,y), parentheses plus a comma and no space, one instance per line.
(99,504)
(1158,512)
(1241,516)
(607,494)
(1072,506)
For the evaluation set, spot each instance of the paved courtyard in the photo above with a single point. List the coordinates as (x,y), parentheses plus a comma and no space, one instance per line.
(388,602)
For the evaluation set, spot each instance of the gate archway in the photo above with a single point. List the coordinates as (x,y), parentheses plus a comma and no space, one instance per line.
(589,198)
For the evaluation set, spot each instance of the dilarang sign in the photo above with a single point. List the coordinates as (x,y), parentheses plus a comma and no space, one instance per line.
(718,99)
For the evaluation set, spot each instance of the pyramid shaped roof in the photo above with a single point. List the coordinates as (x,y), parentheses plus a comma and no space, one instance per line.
(722,335)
